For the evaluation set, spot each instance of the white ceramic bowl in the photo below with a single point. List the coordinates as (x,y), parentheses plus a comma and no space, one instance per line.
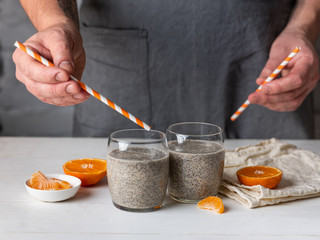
(58,195)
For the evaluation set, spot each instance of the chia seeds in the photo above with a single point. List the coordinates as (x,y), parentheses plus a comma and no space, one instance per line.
(138,177)
(196,168)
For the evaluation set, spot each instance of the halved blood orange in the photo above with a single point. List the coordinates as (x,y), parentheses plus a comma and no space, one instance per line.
(212,203)
(265,176)
(89,170)
(39,181)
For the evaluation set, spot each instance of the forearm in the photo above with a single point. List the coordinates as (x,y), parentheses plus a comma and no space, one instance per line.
(306,19)
(46,13)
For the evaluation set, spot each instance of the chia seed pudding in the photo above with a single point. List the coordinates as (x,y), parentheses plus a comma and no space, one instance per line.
(196,168)
(138,178)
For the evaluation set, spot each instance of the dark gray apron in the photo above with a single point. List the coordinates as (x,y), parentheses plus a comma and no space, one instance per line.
(172,61)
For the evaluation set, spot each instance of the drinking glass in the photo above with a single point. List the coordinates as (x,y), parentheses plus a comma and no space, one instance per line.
(196,160)
(138,169)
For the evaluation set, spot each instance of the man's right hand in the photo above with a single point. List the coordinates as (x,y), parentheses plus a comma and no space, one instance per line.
(61,44)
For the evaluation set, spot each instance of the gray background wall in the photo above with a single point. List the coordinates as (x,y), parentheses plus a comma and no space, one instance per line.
(21,114)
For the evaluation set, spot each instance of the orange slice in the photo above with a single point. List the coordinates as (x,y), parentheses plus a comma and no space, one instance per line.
(89,170)
(265,176)
(63,184)
(214,204)
(39,181)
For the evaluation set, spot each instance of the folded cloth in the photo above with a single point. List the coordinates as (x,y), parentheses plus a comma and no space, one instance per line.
(300,168)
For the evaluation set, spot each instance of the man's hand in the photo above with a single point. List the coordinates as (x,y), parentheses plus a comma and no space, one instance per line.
(297,79)
(63,45)
(300,76)
(58,40)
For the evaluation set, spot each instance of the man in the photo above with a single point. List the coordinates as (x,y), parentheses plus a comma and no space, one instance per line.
(171,61)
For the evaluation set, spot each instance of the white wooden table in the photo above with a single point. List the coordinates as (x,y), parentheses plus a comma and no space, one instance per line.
(91,214)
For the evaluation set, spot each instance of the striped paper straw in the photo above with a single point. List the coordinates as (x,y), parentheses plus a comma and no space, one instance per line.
(86,88)
(269,79)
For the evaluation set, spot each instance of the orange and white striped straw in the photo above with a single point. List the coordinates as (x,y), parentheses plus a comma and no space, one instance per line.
(269,79)
(85,87)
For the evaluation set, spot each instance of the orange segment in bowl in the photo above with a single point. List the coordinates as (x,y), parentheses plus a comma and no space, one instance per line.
(39,181)
(212,203)
(62,184)
(89,170)
(265,176)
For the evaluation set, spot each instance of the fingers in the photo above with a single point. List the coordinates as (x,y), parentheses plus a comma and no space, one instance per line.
(277,55)
(270,66)
(60,45)
(29,68)
(299,75)
(60,94)
(263,99)
(49,84)
(297,79)
(286,104)
(44,90)
(288,92)
(66,101)
(72,96)
(53,84)
(63,57)
(286,100)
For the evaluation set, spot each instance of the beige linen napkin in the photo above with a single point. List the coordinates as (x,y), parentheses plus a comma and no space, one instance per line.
(300,168)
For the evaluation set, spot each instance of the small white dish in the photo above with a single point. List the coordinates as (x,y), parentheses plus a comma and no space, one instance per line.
(57,195)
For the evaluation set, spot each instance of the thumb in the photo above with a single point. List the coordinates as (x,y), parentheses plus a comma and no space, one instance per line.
(61,52)
(270,66)
(67,65)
